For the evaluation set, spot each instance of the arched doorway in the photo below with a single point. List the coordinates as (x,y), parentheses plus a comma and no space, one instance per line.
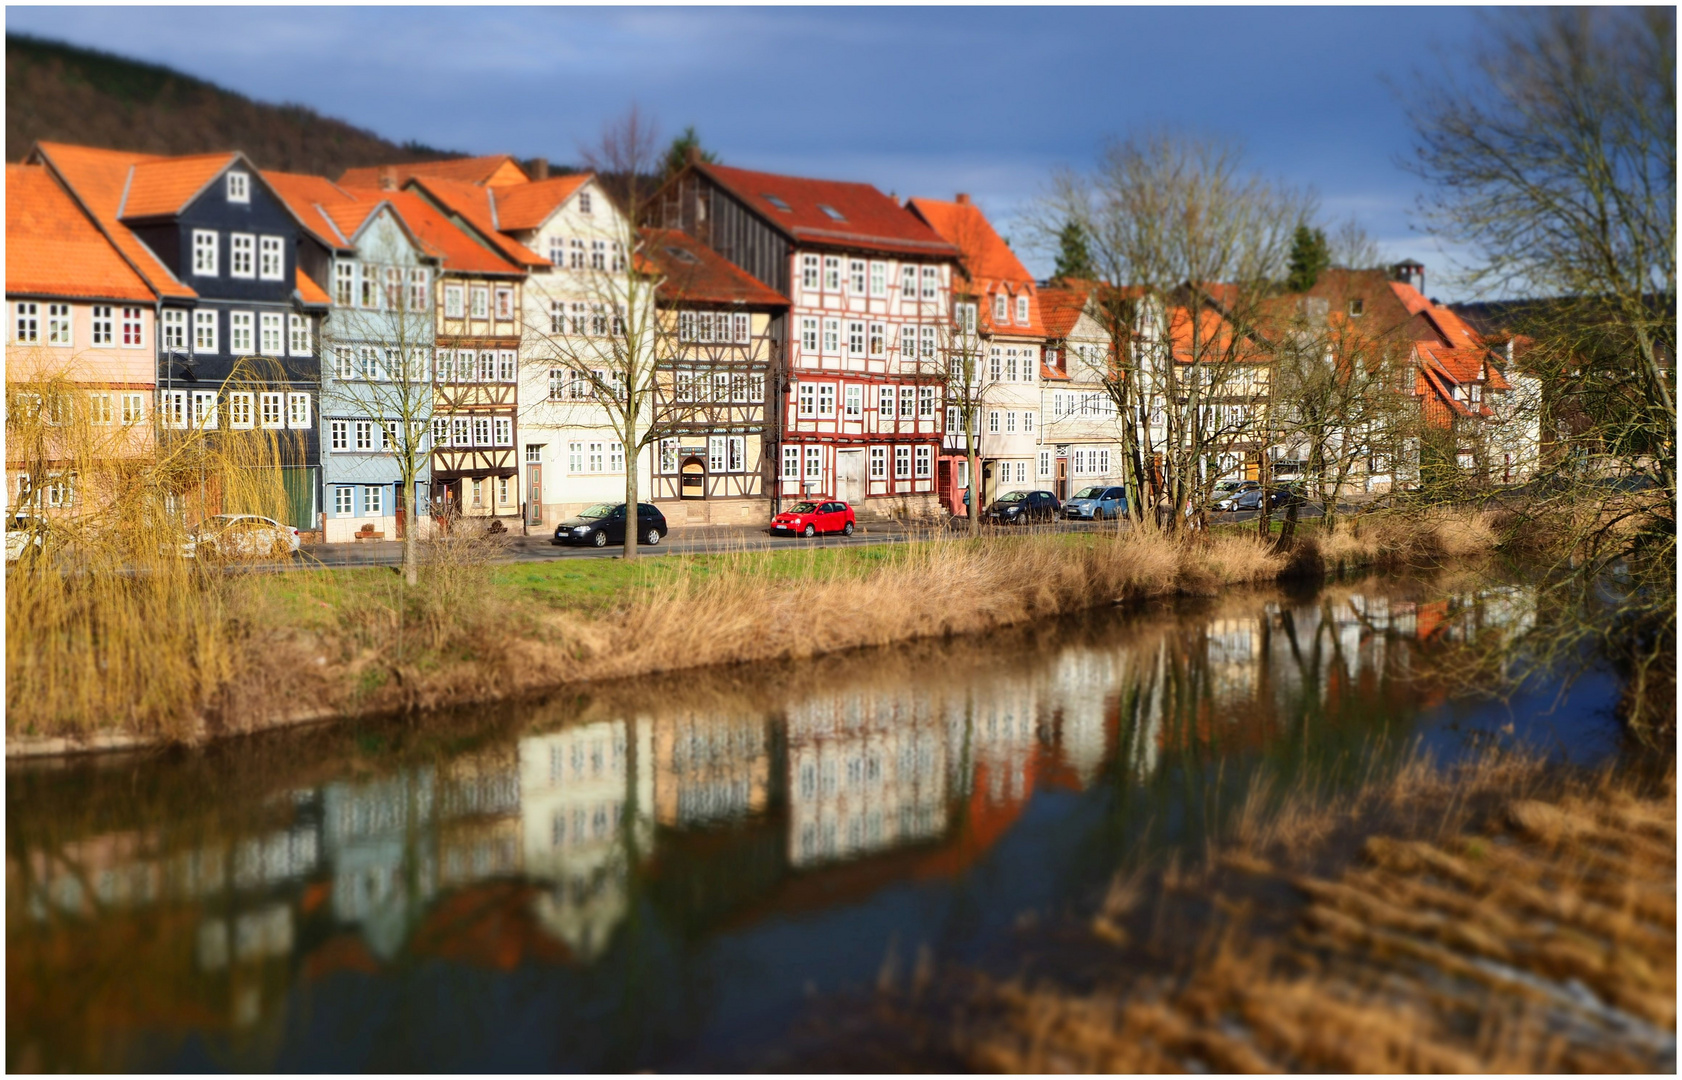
(694,479)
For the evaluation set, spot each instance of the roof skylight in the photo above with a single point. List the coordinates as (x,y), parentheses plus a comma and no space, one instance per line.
(777,201)
(834,214)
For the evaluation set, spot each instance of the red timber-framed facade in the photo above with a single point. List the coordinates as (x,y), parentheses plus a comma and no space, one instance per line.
(859,404)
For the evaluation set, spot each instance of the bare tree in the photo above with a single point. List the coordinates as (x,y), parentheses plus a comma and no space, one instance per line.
(1351,246)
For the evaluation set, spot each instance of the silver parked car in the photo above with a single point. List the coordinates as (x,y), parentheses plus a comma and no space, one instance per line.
(1097,503)
(241,536)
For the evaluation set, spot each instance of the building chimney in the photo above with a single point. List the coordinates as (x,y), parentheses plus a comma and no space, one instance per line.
(388,178)
(963,198)
(538,168)
(1410,272)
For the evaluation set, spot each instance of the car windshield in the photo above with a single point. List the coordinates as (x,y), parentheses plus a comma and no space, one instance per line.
(803,508)
(600,510)
(1014,496)
(1090,493)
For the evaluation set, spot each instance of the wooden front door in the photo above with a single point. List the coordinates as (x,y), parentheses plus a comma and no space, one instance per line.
(534,494)
(1062,479)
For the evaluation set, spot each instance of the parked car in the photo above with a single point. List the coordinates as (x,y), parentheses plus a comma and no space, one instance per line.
(1018,507)
(241,536)
(23,530)
(604,524)
(1251,499)
(811,518)
(1096,503)
(1226,488)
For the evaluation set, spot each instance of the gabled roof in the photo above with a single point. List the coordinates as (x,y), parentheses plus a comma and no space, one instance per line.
(476,206)
(309,293)
(305,196)
(1061,308)
(164,186)
(988,261)
(527,206)
(54,249)
(696,274)
(862,218)
(455,247)
(492,169)
(96,179)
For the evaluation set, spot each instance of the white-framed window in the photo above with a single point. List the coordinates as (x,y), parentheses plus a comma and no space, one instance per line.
(373,501)
(1010,421)
(420,288)
(204,252)
(370,279)
(242,255)
(826,401)
(856,272)
(298,334)
(134,408)
(925,462)
(615,457)
(26,322)
(60,325)
(791,461)
(504,431)
(715,453)
(686,326)
(878,279)
(584,203)
(344,363)
(239,187)
(504,303)
(907,402)
(814,463)
(481,431)
(134,328)
(454,302)
(174,405)
(721,386)
(241,330)
(271,341)
(831,273)
(744,328)
(907,282)
(996,363)
(440,432)
(1001,307)
(1028,422)
(808,400)
(271,259)
(558,251)
(902,463)
(598,254)
(832,336)
(1022,309)
(104,328)
(878,339)
(925,402)
(576,247)
(931,283)
(344,283)
(364,435)
(461,431)
(854,402)
(992,421)
(480,297)
(507,365)
(885,397)
(855,338)
(931,342)
(1045,462)
(809,335)
(738,448)
(99,409)
(344,501)
(878,463)
(965,317)
(241,403)
(271,410)
(297,410)
(808,271)
(575,457)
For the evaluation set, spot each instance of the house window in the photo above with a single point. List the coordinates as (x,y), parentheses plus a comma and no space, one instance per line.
(104,325)
(59,325)
(297,410)
(271,339)
(99,409)
(1001,307)
(298,327)
(270,405)
(878,279)
(1022,310)
(686,326)
(1010,421)
(575,457)
(878,463)
(992,421)
(504,431)
(344,363)
(481,301)
(832,335)
(826,401)
(808,335)
(715,453)
(814,463)
(855,402)
(505,365)
(1045,462)
(577,249)
(373,503)
(831,273)
(584,203)
(481,431)
(907,402)
(930,342)
(995,363)
(1028,423)
(240,332)
(271,262)
(461,431)
(239,187)
(808,271)
(908,283)
(885,402)
(598,254)
(925,462)
(615,457)
(855,339)
(420,288)
(134,408)
(902,463)
(1357,307)
(878,339)
(557,251)
(134,336)
(855,270)
(791,463)
(454,299)
(175,328)
(174,404)
(344,502)
(925,402)
(204,252)
(440,432)
(370,278)
(738,453)
(744,330)
(27,327)
(931,283)
(240,406)
(242,255)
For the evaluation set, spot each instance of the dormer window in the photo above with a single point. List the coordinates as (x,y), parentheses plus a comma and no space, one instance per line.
(584,202)
(834,214)
(239,187)
(1001,307)
(1357,308)
(1022,310)
(777,202)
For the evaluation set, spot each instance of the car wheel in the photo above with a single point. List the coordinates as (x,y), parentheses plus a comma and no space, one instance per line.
(599,538)
(847,529)
(810,531)
(653,538)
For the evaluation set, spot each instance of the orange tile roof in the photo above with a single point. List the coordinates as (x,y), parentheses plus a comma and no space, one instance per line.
(166,185)
(305,196)
(96,178)
(309,292)
(53,249)
(986,259)
(1054,374)
(1060,309)
(477,206)
(455,246)
(527,206)
(868,219)
(696,274)
(490,169)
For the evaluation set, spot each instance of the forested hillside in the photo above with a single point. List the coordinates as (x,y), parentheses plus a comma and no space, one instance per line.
(68,94)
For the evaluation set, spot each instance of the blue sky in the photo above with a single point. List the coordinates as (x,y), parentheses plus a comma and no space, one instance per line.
(918,101)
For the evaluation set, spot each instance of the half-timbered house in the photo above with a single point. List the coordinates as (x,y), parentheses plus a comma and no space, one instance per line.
(869,287)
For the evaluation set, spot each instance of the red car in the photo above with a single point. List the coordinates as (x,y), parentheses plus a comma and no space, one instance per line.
(811,518)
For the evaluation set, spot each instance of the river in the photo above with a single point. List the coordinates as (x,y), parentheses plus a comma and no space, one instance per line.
(668,874)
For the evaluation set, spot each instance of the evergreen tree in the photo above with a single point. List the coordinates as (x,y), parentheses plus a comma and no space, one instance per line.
(1074,258)
(1310,256)
(677,155)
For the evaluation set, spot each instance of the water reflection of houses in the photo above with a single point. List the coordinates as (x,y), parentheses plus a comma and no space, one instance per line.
(710,768)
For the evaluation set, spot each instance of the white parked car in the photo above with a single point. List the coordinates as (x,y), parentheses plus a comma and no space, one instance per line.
(241,536)
(22,531)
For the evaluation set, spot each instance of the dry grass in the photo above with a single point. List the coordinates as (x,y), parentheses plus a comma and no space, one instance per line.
(1542,940)
(1427,539)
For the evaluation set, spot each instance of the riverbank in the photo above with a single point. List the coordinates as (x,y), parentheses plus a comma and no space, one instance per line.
(300,648)
(1498,916)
